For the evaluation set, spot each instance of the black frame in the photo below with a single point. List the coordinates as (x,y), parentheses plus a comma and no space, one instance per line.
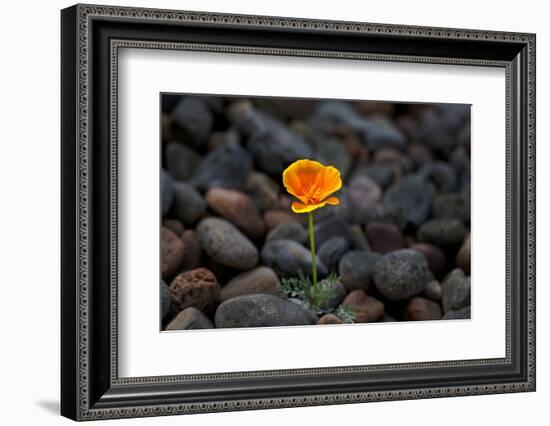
(91,37)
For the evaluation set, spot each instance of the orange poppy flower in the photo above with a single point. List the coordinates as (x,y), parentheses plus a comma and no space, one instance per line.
(312,183)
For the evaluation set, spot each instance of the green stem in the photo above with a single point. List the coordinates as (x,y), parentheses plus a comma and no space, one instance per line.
(312,247)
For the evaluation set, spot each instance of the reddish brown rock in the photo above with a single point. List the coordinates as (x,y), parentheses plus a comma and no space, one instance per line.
(365,308)
(172,251)
(276,217)
(463,256)
(384,237)
(437,262)
(197,288)
(258,280)
(422,309)
(330,319)
(174,225)
(192,257)
(238,208)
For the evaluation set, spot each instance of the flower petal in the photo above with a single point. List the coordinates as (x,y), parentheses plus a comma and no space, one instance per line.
(333,201)
(300,176)
(328,182)
(305,208)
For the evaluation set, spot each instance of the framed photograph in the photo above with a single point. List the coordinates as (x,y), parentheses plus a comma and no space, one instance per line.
(263,212)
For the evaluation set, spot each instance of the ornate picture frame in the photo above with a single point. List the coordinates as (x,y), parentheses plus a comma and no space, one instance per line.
(91,38)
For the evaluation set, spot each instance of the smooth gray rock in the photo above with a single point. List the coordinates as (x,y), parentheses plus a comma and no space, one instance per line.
(409,201)
(356,269)
(192,120)
(333,152)
(443,232)
(165,298)
(452,206)
(288,231)
(290,259)
(358,238)
(382,174)
(272,144)
(455,291)
(166,190)
(402,274)
(442,175)
(181,161)
(260,310)
(189,205)
(375,133)
(332,250)
(331,227)
(464,313)
(226,245)
(227,166)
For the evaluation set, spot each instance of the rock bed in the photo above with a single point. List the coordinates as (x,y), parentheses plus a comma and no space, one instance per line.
(399,241)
